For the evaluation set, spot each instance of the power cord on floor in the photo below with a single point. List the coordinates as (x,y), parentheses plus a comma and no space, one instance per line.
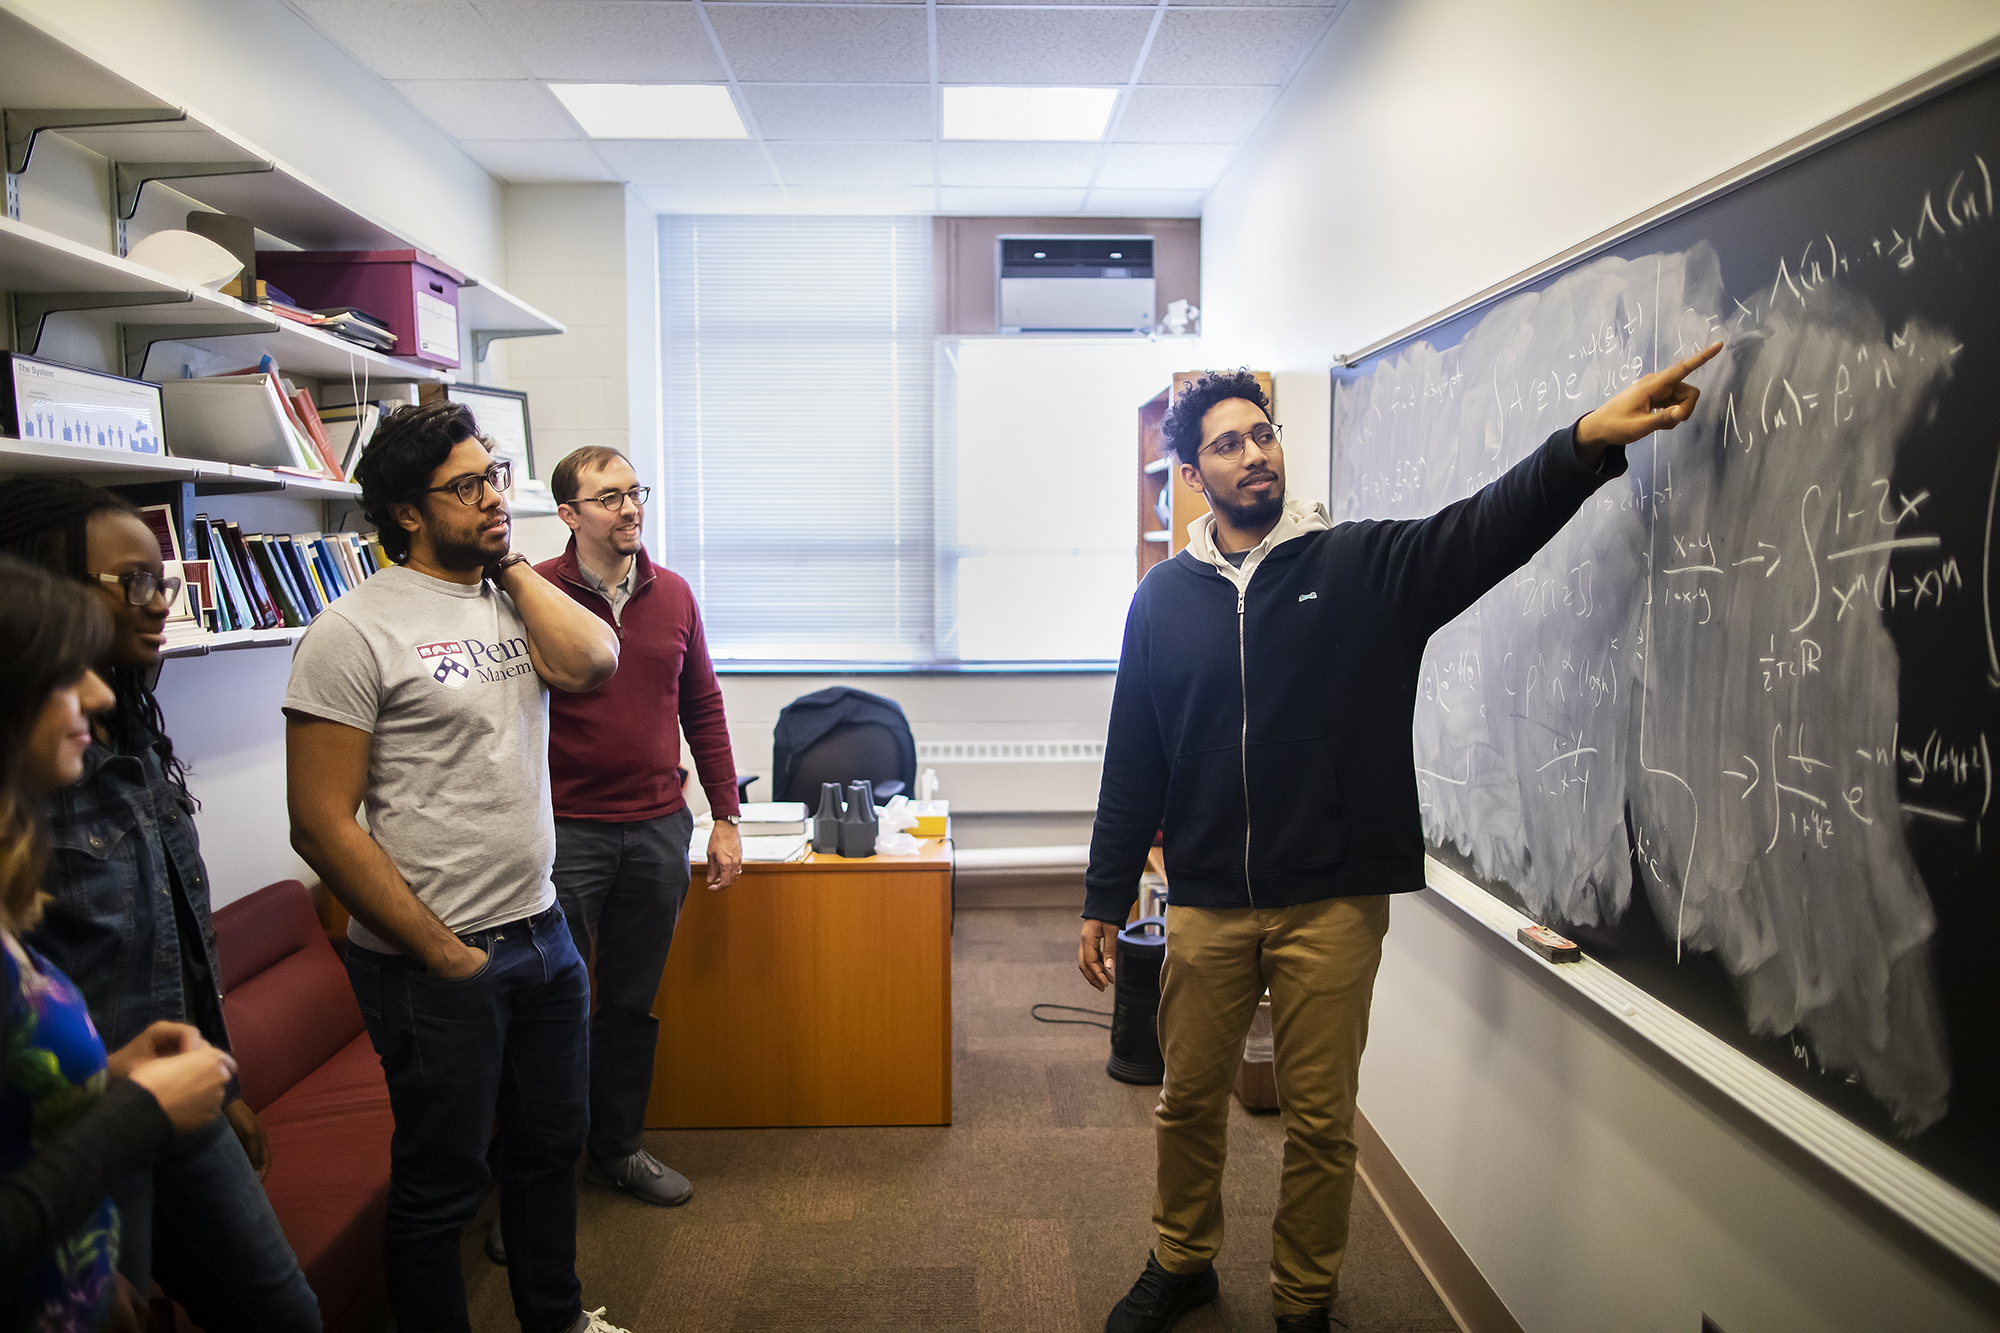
(1070,1008)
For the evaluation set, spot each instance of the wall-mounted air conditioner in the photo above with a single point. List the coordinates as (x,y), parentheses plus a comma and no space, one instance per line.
(1075,284)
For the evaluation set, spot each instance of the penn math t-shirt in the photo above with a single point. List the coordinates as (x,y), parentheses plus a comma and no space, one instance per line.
(458,773)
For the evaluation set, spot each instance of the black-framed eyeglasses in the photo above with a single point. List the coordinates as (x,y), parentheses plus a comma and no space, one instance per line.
(615,500)
(1228,446)
(141,585)
(470,489)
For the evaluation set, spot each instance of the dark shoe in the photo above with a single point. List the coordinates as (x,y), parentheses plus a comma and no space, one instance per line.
(496,1248)
(644,1175)
(1313,1321)
(1159,1298)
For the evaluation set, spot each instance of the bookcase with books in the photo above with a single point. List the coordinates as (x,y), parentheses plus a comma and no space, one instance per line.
(232,416)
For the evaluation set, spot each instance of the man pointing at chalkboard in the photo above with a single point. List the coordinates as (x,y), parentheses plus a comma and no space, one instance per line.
(1262,720)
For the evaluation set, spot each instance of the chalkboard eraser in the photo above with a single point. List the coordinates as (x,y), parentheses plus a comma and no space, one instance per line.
(1548,944)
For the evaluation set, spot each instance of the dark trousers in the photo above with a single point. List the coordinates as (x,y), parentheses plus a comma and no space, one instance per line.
(200,1223)
(505,1042)
(621,887)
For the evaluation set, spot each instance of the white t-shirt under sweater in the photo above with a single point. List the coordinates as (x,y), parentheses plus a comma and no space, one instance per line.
(458,771)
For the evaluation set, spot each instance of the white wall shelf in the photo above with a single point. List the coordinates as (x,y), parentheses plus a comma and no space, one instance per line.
(231,640)
(42,68)
(40,263)
(115,467)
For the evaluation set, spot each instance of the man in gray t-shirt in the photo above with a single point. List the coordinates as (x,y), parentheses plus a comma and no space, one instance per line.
(421,697)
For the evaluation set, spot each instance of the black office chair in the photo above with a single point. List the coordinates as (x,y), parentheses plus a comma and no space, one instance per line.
(843,735)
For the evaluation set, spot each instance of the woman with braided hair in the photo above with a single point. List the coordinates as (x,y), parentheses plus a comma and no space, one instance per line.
(128,920)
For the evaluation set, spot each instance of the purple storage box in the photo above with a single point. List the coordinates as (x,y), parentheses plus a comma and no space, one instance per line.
(415,292)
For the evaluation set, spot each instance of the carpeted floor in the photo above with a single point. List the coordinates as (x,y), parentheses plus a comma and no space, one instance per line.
(1029,1214)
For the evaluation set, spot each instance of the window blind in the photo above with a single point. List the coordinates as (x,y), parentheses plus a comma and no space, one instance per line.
(797,385)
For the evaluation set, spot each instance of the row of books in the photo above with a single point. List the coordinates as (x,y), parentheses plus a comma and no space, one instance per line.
(269,580)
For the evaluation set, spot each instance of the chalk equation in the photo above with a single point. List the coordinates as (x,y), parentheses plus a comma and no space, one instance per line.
(1697,678)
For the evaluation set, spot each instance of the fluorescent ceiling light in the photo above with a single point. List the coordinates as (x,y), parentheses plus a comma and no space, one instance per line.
(1073,114)
(652,110)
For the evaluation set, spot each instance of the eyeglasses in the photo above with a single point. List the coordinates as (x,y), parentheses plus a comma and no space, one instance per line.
(1229,445)
(615,500)
(141,585)
(470,489)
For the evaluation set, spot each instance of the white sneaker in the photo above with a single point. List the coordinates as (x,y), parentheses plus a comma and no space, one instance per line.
(593,1321)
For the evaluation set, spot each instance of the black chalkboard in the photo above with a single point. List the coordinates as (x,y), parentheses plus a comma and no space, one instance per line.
(1734,729)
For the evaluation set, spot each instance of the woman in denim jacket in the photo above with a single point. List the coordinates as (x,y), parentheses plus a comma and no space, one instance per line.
(128,921)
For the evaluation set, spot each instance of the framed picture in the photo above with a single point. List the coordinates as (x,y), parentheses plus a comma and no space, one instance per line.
(503,418)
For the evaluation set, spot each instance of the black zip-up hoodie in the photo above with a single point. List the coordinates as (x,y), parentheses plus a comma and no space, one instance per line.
(1267,732)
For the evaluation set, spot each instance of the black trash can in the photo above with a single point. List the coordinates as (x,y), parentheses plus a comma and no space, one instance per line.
(1135,1004)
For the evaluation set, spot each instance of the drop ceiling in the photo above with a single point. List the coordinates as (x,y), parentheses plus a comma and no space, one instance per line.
(841,99)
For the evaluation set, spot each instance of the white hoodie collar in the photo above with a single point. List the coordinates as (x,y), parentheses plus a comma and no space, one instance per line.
(1299,518)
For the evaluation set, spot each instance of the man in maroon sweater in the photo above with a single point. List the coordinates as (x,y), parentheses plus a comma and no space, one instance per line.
(622,825)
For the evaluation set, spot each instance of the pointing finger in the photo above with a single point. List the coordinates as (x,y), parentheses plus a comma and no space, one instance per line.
(1695,362)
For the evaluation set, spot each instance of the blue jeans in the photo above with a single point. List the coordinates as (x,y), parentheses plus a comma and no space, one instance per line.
(200,1224)
(508,1042)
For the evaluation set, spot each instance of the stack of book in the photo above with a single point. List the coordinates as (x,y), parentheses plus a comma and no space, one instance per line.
(254,416)
(772,831)
(272,580)
(358,326)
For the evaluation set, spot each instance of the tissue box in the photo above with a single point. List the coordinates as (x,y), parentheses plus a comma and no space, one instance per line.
(933,819)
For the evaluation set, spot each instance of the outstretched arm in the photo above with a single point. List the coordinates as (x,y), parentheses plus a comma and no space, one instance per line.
(1431,569)
(1660,401)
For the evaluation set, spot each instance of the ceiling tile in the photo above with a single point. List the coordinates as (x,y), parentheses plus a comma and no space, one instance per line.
(1144,4)
(687,161)
(1240,46)
(715,199)
(1040,46)
(840,111)
(877,200)
(1192,115)
(490,108)
(1011,203)
(1160,166)
(1266,4)
(1144,203)
(835,164)
(604,41)
(824,45)
(538,161)
(1017,164)
(415,39)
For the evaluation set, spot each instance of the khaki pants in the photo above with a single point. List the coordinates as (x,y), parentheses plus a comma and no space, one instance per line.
(1319,961)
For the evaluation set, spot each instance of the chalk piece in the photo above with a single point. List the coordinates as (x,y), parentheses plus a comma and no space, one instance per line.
(1548,944)
(1628,1010)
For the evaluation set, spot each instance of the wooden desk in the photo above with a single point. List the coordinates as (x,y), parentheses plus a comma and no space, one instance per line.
(814,992)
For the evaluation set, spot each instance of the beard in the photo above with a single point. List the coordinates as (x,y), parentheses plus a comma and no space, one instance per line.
(1253,513)
(469,550)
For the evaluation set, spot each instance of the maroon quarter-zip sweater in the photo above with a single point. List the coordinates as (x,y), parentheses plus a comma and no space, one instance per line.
(613,751)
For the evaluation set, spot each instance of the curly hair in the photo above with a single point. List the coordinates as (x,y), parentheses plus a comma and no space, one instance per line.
(51,631)
(46,522)
(398,462)
(1182,425)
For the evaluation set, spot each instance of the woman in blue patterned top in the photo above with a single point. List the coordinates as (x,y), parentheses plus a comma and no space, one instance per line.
(71,1119)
